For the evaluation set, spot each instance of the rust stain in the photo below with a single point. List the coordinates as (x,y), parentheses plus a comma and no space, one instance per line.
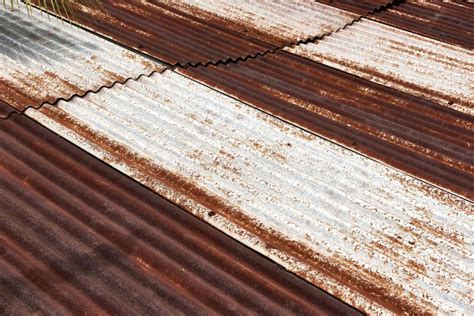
(111,76)
(369,284)
(268,151)
(420,137)
(439,232)
(396,81)
(244,26)
(416,266)
(362,7)
(167,33)
(442,197)
(447,21)
(85,253)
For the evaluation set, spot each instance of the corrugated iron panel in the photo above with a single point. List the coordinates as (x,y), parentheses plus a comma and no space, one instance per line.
(275,22)
(447,21)
(78,237)
(192,32)
(427,140)
(362,7)
(5,109)
(409,62)
(372,236)
(43,59)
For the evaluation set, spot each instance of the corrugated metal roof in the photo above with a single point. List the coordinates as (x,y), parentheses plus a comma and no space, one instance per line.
(409,62)
(190,32)
(275,22)
(78,237)
(422,138)
(362,7)
(447,21)
(376,238)
(43,59)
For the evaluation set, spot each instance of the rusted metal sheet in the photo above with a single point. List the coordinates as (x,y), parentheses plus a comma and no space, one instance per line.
(275,22)
(378,239)
(409,62)
(195,32)
(43,59)
(447,21)
(362,7)
(427,140)
(78,237)
(5,109)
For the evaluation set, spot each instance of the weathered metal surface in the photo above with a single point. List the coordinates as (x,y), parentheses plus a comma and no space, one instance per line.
(78,237)
(429,141)
(43,59)
(378,239)
(409,62)
(5,109)
(447,21)
(193,32)
(362,7)
(274,22)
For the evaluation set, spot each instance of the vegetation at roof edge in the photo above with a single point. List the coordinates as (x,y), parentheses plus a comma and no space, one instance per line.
(61,8)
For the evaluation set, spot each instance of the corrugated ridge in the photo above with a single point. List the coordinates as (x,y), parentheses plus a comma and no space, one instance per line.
(362,7)
(79,237)
(10,113)
(317,207)
(84,20)
(5,109)
(220,62)
(277,23)
(43,60)
(172,22)
(297,43)
(385,124)
(418,65)
(447,21)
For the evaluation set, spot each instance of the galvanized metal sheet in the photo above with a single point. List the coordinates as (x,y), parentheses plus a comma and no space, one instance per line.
(194,32)
(362,7)
(427,140)
(447,21)
(276,22)
(78,237)
(371,235)
(43,59)
(409,62)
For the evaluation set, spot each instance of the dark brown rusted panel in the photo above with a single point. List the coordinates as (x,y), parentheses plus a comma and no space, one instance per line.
(167,33)
(429,141)
(5,109)
(451,22)
(78,236)
(362,7)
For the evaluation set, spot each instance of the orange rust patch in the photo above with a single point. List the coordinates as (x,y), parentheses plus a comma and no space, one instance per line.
(416,266)
(438,232)
(268,151)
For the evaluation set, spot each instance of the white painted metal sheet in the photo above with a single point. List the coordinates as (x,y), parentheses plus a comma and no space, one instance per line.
(43,59)
(284,21)
(378,239)
(406,61)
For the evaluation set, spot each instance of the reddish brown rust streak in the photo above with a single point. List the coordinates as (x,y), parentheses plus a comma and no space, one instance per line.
(70,212)
(383,291)
(442,138)
(449,22)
